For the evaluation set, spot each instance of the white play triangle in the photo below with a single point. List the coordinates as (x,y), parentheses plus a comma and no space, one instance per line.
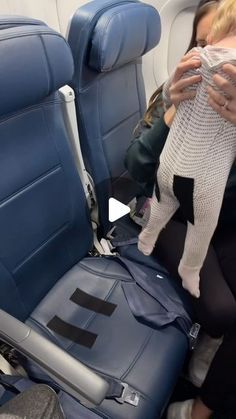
(116,210)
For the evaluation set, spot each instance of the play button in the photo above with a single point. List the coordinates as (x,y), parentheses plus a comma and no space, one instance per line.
(117,210)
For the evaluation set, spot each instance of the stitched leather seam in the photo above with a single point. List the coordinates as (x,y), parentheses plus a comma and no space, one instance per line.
(54,235)
(104,275)
(33,32)
(30,185)
(123,121)
(19,113)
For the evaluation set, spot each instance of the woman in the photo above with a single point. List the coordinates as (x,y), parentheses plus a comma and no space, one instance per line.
(151,133)
(220,299)
(216,308)
(197,158)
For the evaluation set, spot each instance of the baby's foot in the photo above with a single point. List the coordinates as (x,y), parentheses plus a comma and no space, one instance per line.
(190,279)
(145,243)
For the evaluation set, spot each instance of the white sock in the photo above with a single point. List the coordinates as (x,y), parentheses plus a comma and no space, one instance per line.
(190,279)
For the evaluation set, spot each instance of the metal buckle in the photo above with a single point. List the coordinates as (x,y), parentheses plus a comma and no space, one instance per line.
(193,335)
(110,233)
(128,395)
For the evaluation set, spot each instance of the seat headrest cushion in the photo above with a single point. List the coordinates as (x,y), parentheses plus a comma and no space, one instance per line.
(35,62)
(123,34)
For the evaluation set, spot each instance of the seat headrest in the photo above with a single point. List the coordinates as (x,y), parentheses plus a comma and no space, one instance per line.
(35,62)
(122,34)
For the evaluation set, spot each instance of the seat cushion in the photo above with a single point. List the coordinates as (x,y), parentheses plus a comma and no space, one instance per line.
(148,360)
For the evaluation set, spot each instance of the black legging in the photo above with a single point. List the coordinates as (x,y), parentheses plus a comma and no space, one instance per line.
(215,310)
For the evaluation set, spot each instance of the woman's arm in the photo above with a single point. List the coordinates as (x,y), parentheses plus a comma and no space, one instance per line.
(144,151)
(224,105)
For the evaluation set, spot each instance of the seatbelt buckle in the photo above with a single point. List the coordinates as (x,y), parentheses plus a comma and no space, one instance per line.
(110,233)
(107,247)
(128,395)
(193,335)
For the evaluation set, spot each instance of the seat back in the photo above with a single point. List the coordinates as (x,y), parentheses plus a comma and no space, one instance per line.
(157,64)
(108,39)
(44,222)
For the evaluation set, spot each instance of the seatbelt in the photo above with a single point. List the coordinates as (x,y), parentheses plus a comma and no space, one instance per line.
(122,393)
(103,247)
(68,97)
(118,391)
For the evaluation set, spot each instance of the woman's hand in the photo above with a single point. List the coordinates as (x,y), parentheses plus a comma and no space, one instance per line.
(169,115)
(178,87)
(224,105)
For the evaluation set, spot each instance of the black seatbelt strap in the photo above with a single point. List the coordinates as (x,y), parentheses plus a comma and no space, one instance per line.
(122,392)
(92,303)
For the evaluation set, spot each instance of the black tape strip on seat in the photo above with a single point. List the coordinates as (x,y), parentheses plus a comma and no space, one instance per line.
(74,333)
(92,303)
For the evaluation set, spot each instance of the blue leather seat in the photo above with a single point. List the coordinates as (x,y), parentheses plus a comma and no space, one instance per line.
(108,39)
(46,232)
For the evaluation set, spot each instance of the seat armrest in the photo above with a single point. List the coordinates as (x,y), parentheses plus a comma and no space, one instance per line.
(74,377)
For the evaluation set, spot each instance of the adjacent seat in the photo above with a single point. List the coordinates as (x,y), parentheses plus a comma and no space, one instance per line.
(107,40)
(46,279)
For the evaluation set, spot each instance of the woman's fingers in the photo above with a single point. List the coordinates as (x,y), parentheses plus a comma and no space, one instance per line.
(224,103)
(184,66)
(185,82)
(179,84)
(222,106)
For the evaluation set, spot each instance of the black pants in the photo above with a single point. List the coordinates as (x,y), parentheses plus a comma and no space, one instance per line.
(215,310)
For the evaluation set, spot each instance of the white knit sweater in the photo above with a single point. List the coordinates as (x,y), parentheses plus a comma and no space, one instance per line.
(201,145)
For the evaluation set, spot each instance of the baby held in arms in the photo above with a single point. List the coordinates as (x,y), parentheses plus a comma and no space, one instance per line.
(196,160)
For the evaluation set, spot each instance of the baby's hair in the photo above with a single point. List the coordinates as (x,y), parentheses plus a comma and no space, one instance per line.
(224,22)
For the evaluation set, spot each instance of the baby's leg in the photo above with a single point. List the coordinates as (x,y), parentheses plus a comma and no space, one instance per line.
(198,237)
(160,213)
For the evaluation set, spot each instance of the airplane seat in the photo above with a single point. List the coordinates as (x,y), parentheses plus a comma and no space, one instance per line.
(157,63)
(108,39)
(76,302)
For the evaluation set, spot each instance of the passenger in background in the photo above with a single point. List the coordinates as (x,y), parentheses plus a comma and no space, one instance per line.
(216,307)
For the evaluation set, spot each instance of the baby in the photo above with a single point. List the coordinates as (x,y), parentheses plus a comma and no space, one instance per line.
(196,160)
